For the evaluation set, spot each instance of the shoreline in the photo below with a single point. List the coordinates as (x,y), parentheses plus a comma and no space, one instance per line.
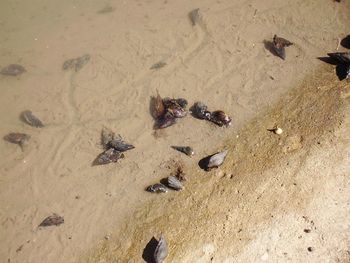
(192,219)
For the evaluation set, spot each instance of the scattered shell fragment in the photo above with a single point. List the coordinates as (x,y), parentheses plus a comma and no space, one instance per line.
(157,188)
(174,183)
(28,117)
(195,16)
(76,63)
(200,110)
(158,65)
(279,45)
(161,251)
(13,70)
(17,138)
(184,149)
(217,159)
(109,156)
(53,220)
(220,118)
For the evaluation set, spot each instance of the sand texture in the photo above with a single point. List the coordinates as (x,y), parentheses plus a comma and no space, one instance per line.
(254,208)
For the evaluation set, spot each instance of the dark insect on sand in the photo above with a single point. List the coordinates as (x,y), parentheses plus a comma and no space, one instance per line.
(53,220)
(13,70)
(17,138)
(28,117)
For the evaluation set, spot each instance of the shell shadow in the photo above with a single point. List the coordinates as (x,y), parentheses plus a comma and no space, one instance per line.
(148,251)
(345,42)
(203,163)
(329,60)
(341,71)
(152,109)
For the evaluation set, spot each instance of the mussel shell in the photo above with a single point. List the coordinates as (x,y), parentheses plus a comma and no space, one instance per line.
(182,102)
(217,159)
(109,156)
(173,107)
(17,138)
(200,110)
(195,16)
(174,183)
(13,70)
(28,117)
(165,121)
(53,220)
(119,145)
(220,118)
(157,188)
(184,149)
(161,251)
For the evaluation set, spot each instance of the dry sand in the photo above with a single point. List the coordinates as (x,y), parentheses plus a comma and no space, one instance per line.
(252,209)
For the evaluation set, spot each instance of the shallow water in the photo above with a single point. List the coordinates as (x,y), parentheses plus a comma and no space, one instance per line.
(221,61)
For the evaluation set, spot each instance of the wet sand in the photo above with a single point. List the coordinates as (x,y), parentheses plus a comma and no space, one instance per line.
(221,61)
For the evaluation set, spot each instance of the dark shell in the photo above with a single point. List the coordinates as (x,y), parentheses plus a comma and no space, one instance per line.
(341,57)
(161,251)
(157,188)
(108,156)
(158,65)
(220,118)
(13,70)
(200,110)
(279,45)
(172,106)
(119,145)
(53,220)
(184,149)
(76,63)
(165,121)
(174,183)
(195,16)
(17,138)
(28,117)
(182,102)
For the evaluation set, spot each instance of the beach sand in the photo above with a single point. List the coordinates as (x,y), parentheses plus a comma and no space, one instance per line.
(254,208)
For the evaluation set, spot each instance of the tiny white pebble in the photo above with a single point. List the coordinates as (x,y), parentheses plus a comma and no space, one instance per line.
(35,39)
(24,161)
(278,131)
